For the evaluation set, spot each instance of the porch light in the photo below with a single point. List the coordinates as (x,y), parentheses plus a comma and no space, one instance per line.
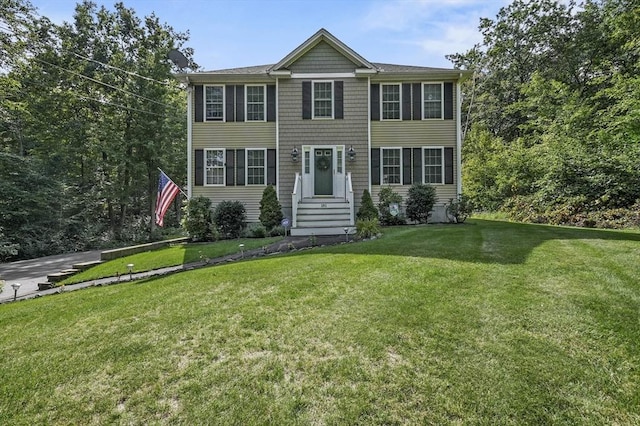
(351,153)
(294,154)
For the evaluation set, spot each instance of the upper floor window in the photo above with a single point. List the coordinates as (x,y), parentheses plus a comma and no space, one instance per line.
(323,99)
(391,165)
(214,167)
(256,166)
(214,103)
(432,100)
(433,165)
(390,101)
(255,103)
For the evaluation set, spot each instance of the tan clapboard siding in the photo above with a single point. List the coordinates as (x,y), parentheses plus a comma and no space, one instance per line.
(322,58)
(416,133)
(250,196)
(234,135)
(444,193)
(350,131)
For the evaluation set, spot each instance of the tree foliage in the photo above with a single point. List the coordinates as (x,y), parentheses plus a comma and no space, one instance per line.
(92,110)
(270,209)
(420,201)
(551,112)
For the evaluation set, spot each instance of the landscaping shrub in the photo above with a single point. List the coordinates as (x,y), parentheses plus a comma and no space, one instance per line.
(460,209)
(367,209)
(255,230)
(270,208)
(367,228)
(420,201)
(277,231)
(197,219)
(388,197)
(230,218)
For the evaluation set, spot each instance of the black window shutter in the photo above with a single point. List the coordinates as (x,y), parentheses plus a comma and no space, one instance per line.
(417,100)
(406,101)
(240,167)
(406,166)
(338,99)
(199,167)
(448,101)
(199,103)
(229,101)
(271,167)
(375,166)
(230,167)
(306,100)
(375,102)
(271,102)
(417,165)
(448,165)
(240,102)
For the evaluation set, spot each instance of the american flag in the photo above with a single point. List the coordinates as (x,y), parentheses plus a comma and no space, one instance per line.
(167,191)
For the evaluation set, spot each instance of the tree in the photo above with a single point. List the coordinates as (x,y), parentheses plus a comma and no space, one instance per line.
(270,209)
(367,209)
(420,201)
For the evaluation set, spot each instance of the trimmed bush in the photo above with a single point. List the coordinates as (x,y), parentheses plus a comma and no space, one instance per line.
(367,209)
(388,197)
(270,208)
(460,209)
(255,230)
(420,201)
(367,228)
(197,219)
(230,218)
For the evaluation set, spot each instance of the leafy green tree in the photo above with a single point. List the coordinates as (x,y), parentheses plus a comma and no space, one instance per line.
(388,199)
(198,218)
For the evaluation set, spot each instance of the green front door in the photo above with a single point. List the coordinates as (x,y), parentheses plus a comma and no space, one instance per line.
(323,171)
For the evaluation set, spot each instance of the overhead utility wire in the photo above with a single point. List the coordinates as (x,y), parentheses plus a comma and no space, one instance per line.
(101,63)
(100,82)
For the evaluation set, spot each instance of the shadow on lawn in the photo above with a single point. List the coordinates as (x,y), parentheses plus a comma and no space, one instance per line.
(477,240)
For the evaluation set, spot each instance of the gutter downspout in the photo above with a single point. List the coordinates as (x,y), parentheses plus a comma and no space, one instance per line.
(189,140)
(458,138)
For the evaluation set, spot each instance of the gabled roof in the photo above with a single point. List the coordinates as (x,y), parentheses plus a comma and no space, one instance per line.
(327,37)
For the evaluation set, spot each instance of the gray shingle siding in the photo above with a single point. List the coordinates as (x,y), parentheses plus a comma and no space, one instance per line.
(323,58)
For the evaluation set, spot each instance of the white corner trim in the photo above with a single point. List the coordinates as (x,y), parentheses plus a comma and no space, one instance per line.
(189,142)
(458,139)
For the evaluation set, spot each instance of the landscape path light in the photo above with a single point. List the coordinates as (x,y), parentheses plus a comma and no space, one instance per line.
(130,268)
(15,286)
(346,234)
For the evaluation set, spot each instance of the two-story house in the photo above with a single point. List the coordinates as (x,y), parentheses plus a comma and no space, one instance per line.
(322,125)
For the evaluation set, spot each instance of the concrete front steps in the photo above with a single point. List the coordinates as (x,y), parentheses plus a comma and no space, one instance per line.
(323,216)
(56,277)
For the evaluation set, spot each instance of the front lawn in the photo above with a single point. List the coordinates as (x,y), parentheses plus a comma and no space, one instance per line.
(483,323)
(178,254)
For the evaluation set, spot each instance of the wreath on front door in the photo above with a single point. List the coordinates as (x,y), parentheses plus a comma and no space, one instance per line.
(323,163)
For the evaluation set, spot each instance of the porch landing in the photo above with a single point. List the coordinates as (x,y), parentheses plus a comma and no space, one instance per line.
(323,216)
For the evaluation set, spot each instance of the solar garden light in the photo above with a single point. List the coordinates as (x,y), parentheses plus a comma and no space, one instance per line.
(15,286)
(242,250)
(346,234)
(130,268)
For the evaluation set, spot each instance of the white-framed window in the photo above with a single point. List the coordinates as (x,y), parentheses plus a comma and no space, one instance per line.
(432,100)
(391,100)
(433,160)
(322,100)
(391,166)
(214,103)
(214,167)
(255,103)
(256,166)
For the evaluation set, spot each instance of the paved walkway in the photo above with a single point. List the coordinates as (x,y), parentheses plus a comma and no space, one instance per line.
(33,271)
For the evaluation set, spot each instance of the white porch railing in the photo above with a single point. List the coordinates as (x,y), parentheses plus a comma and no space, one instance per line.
(348,190)
(296,196)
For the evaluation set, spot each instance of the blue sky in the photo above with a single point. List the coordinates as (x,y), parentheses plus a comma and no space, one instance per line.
(236,33)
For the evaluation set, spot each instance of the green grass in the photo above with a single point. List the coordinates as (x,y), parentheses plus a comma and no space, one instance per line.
(177,254)
(483,323)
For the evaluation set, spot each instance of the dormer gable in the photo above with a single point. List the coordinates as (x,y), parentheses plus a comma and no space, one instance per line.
(323,52)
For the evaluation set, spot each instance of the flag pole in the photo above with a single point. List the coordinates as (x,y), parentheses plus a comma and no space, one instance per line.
(183,193)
